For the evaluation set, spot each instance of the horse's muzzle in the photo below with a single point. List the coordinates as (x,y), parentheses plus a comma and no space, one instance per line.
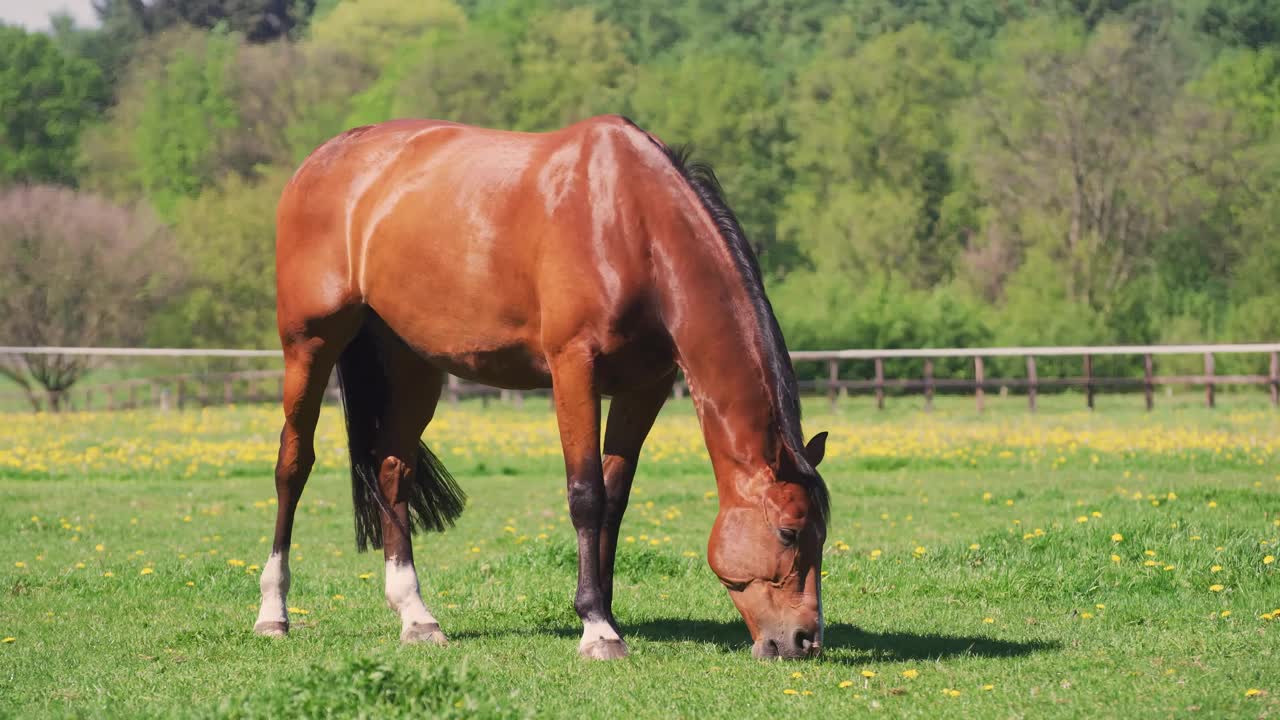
(795,645)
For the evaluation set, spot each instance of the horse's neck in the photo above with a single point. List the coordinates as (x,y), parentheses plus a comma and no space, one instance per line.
(717,338)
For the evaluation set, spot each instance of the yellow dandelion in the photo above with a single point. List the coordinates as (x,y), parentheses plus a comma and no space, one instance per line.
(911,673)
(1115,558)
(975,546)
(1117,537)
(988,687)
(1213,503)
(989,621)
(339,596)
(875,554)
(1225,614)
(1101,606)
(1215,588)
(1252,692)
(797,675)
(868,674)
(145,571)
(790,691)
(190,584)
(1268,559)
(1215,568)
(299,611)
(806,692)
(108,574)
(845,683)
(950,692)
(99,547)
(1082,519)
(365,576)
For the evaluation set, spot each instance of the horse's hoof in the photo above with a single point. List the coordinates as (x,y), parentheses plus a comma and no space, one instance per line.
(603,649)
(423,633)
(271,628)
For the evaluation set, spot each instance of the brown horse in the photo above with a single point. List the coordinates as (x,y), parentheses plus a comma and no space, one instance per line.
(592,260)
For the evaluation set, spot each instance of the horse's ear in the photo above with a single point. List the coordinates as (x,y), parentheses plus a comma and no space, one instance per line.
(816,449)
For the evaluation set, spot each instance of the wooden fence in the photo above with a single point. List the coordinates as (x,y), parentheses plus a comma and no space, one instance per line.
(201,389)
(979,383)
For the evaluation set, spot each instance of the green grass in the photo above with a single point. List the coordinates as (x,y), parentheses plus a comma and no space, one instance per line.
(136,645)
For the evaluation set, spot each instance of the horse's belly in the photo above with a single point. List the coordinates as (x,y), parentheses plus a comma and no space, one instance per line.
(514,367)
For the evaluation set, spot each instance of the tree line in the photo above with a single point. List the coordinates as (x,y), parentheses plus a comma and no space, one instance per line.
(912,172)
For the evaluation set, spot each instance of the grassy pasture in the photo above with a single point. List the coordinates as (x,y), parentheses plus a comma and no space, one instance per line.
(1007,565)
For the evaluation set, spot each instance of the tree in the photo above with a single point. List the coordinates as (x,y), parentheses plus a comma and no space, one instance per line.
(571,66)
(871,156)
(721,105)
(1062,144)
(227,235)
(184,119)
(46,98)
(75,270)
(374,31)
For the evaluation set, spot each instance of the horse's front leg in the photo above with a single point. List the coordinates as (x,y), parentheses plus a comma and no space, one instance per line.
(578,415)
(631,416)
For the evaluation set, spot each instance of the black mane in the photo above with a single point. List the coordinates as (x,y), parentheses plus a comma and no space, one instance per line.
(702,180)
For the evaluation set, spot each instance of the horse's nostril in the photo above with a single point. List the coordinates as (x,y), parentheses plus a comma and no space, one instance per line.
(803,641)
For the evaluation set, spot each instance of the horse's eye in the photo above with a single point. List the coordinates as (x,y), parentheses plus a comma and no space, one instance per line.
(788,536)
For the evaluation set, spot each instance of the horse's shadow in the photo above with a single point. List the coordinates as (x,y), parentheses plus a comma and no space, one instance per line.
(884,646)
(839,639)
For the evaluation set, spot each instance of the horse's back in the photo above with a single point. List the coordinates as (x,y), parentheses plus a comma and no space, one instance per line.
(478,247)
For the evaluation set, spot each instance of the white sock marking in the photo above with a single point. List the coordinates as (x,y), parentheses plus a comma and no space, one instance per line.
(593,630)
(275,587)
(403,595)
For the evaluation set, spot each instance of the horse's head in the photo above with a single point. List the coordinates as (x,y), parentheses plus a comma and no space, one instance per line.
(766,547)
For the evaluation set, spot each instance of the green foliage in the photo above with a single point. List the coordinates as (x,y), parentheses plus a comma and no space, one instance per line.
(870,156)
(572,66)
(46,98)
(227,234)
(737,123)
(375,31)
(1075,170)
(184,115)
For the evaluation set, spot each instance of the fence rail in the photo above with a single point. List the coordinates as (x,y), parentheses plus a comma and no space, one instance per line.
(181,390)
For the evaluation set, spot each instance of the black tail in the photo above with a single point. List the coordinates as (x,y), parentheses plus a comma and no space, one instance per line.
(434,498)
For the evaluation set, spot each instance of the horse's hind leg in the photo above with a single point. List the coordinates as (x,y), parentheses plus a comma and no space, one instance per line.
(308,362)
(415,391)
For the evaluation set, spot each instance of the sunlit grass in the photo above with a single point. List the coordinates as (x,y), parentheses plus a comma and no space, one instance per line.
(1056,565)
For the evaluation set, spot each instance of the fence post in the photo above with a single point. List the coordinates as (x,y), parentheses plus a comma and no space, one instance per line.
(833,377)
(979,376)
(1147,384)
(453,390)
(181,393)
(1031,382)
(1208,387)
(1088,379)
(1275,379)
(928,384)
(879,383)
